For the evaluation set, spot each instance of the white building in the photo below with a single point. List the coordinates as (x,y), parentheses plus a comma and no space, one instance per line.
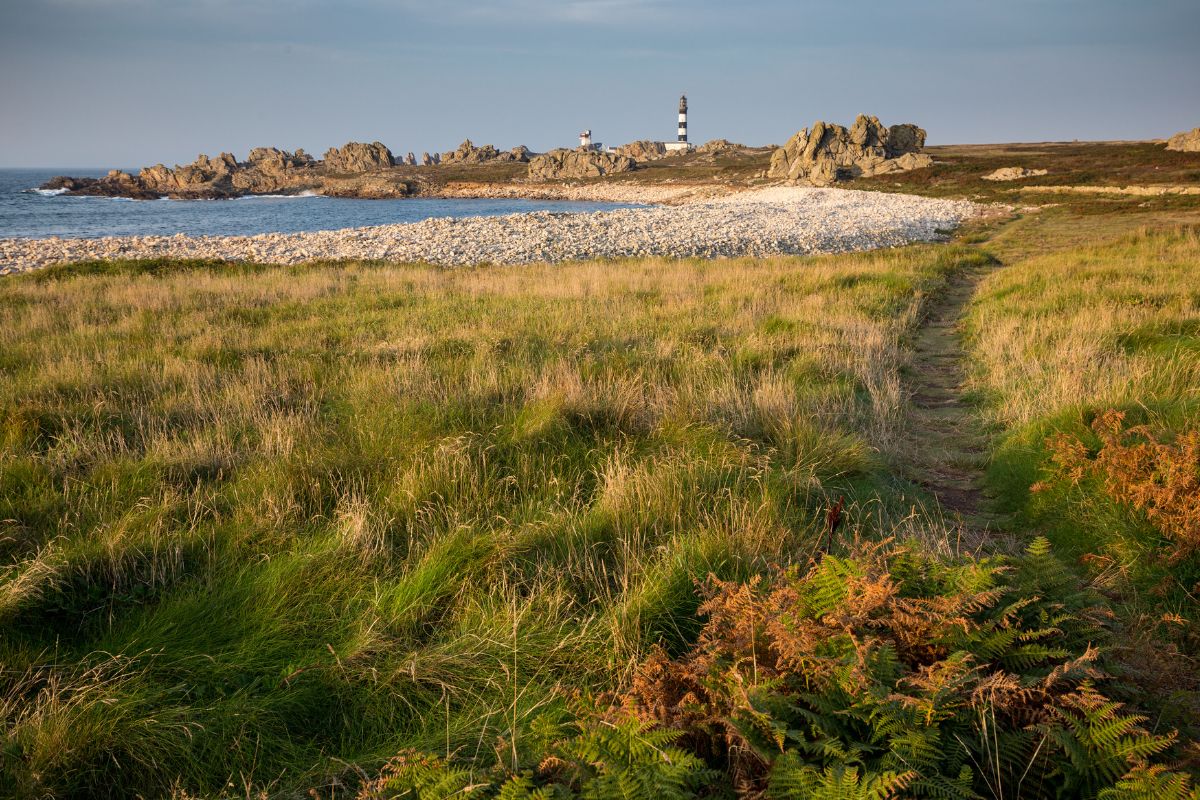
(586,143)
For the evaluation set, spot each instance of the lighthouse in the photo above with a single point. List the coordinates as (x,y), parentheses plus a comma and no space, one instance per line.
(680,145)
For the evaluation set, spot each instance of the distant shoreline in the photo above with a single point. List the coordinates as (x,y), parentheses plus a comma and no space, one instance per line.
(760,223)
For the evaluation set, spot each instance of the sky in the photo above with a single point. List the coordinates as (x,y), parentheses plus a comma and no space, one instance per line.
(125,83)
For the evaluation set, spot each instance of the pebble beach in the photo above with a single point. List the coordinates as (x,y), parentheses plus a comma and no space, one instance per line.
(763,222)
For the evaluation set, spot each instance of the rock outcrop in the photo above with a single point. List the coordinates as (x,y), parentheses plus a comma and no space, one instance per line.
(1013,174)
(1185,141)
(827,153)
(643,150)
(204,177)
(468,153)
(121,184)
(348,171)
(578,164)
(270,159)
(519,153)
(268,170)
(719,146)
(358,157)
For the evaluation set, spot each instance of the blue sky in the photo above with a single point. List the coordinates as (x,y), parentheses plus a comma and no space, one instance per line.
(132,82)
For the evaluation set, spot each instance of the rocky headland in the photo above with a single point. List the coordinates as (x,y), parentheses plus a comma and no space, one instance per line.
(816,157)
(354,170)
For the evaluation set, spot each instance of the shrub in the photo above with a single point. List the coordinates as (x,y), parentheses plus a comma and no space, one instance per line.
(881,673)
(1158,477)
(601,760)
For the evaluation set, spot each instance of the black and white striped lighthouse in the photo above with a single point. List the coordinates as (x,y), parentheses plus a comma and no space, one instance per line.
(683,119)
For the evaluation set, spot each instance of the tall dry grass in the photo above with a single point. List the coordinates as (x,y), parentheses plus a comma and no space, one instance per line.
(1105,325)
(323,513)
(1062,345)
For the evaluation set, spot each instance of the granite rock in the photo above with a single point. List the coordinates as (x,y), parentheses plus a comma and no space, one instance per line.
(578,164)
(827,152)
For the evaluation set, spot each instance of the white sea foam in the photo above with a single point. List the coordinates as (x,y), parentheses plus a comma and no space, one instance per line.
(305,193)
(47,192)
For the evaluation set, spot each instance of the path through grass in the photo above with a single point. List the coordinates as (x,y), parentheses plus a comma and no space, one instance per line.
(946,443)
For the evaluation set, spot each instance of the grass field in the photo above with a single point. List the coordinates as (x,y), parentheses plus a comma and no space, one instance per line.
(263,529)
(384,506)
(1055,342)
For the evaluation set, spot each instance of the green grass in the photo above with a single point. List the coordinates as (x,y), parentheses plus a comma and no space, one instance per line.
(1055,340)
(269,525)
(1058,339)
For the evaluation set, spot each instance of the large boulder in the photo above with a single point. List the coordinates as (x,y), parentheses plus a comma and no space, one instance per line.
(115,184)
(1185,141)
(827,152)
(269,159)
(468,153)
(905,138)
(269,170)
(520,153)
(1013,174)
(578,164)
(359,157)
(718,146)
(206,177)
(66,183)
(643,150)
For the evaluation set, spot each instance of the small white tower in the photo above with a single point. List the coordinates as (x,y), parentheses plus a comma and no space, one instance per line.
(585,140)
(683,119)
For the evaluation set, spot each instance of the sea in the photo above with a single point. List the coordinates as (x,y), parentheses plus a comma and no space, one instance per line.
(27,212)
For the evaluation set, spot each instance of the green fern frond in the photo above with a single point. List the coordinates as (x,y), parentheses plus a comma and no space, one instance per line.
(791,779)
(1152,783)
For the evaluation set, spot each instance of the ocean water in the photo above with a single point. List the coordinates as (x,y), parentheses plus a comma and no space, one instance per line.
(27,213)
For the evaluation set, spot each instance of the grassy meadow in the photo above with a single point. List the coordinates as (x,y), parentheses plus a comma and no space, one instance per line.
(1060,338)
(266,525)
(1055,342)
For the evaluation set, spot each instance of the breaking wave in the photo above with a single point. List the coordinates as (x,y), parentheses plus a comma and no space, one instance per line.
(305,193)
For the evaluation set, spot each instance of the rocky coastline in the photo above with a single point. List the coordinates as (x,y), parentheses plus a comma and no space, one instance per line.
(354,170)
(357,169)
(757,223)
(819,156)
